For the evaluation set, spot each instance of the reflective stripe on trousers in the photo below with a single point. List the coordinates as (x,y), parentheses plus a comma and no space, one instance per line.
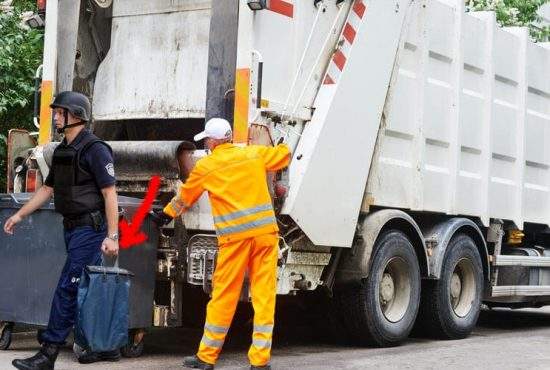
(259,256)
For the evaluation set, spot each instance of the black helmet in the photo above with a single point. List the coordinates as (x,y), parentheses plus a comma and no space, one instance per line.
(76,103)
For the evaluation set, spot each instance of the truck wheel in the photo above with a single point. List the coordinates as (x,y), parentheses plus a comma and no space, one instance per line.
(382,310)
(451,305)
(135,346)
(5,335)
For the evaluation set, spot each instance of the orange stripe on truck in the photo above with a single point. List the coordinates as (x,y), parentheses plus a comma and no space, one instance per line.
(242,101)
(45,132)
(281,7)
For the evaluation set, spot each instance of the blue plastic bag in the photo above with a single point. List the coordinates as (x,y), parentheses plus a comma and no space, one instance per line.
(103,309)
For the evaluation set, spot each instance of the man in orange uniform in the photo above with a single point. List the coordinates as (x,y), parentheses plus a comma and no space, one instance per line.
(235,179)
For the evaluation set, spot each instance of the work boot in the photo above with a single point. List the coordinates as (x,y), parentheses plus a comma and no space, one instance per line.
(43,360)
(265,367)
(194,362)
(91,357)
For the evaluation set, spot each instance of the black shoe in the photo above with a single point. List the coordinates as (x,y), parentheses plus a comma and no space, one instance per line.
(194,362)
(43,360)
(265,367)
(91,357)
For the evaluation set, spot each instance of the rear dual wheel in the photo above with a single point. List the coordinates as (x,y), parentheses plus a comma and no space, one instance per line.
(451,305)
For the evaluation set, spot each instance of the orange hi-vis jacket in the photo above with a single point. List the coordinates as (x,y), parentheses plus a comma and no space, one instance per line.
(235,179)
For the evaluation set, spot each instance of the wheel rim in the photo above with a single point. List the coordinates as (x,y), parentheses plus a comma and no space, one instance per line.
(462,290)
(395,289)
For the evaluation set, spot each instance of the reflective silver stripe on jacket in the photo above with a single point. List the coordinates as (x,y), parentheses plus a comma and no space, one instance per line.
(212,342)
(216,329)
(247,226)
(262,343)
(241,213)
(265,329)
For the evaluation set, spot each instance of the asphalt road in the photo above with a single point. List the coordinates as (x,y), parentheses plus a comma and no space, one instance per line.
(504,339)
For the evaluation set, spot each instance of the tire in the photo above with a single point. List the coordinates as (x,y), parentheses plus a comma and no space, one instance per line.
(378,312)
(6,336)
(132,349)
(451,305)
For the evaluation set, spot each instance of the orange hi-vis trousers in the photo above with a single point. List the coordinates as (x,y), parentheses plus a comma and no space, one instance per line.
(259,255)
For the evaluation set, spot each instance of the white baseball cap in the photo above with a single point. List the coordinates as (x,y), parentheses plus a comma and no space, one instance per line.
(215,128)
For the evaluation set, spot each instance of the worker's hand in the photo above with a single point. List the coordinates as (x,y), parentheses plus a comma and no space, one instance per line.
(11,222)
(110,247)
(160,218)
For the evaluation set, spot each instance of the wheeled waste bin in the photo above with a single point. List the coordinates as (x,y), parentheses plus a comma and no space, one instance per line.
(31,261)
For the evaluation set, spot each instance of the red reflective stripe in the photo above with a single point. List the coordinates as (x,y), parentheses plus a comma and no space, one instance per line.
(41,5)
(281,7)
(328,80)
(30,181)
(339,59)
(349,33)
(359,8)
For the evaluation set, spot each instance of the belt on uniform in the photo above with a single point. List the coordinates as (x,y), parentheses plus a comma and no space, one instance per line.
(94,219)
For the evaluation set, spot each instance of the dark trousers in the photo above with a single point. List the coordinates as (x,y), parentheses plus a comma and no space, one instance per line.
(83,249)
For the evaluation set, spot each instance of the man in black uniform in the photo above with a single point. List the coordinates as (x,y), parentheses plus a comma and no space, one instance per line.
(82,180)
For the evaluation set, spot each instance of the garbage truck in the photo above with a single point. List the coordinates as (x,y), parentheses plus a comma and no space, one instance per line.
(419,185)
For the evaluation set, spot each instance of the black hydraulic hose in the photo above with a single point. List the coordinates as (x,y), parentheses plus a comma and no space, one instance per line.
(259,91)
(36,107)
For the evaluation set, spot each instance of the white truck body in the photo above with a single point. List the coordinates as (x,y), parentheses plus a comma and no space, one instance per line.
(467,121)
(457,105)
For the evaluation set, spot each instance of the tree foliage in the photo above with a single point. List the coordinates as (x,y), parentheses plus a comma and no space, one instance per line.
(522,13)
(20,56)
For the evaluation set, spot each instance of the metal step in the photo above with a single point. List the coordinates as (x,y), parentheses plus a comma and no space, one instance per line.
(505,260)
(520,290)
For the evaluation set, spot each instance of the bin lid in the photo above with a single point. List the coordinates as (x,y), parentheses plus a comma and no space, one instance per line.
(17,200)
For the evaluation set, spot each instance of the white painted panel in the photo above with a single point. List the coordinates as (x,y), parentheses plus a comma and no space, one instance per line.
(440,37)
(505,53)
(499,160)
(504,129)
(282,41)
(437,110)
(348,113)
(474,44)
(472,109)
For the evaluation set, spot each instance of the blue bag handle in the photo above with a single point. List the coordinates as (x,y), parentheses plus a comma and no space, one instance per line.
(103,264)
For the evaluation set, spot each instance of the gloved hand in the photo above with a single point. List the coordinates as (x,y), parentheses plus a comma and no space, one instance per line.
(160,218)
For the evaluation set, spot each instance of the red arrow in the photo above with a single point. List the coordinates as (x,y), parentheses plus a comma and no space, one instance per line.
(131,234)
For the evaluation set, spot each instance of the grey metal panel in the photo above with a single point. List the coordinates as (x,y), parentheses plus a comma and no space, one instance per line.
(32,259)
(157,63)
(124,8)
(222,59)
(69,11)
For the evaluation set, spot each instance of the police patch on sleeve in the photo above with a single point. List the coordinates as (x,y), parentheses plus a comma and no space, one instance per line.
(110,169)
